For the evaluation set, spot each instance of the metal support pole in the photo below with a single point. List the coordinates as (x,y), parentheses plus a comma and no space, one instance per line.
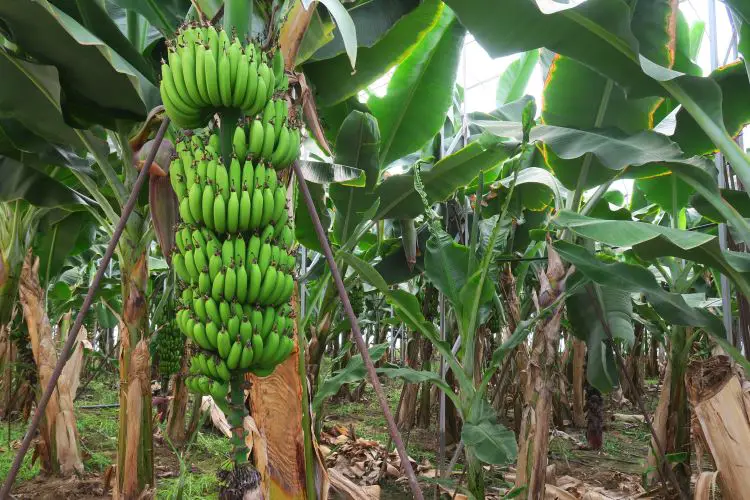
(726,299)
(73,334)
(357,334)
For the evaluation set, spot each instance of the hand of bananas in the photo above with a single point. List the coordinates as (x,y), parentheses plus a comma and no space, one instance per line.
(235,244)
(206,71)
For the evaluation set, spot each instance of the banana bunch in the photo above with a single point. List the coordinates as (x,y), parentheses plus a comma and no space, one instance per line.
(168,345)
(235,260)
(207,70)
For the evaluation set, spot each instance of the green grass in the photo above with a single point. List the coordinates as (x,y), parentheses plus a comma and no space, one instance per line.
(8,452)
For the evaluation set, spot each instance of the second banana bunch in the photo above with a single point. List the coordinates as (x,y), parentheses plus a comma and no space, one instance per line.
(235,259)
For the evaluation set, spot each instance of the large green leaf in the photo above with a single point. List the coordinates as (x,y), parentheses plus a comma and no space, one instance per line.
(587,308)
(576,96)
(598,33)
(23,182)
(59,239)
(94,17)
(333,78)
(446,264)
(373,19)
(357,145)
(399,199)
(650,241)
(636,279)
(490,442)
(98,83)
(420,91)
(31,94)
(737,199)
(735,108)
(165,15)
(512,83)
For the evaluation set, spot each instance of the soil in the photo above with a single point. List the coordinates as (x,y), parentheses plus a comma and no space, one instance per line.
(617,467)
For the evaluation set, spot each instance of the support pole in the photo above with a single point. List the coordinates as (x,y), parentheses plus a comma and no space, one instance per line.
(73,334)
(357,333)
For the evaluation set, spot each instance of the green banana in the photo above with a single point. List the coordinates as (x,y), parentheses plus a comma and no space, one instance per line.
(255,280)
(264,258)
(190,265)
(220,214)
(222,370)
(240,251)
(246,358)
(268,285)
(189,75)
(239,144)
(217,287)
(278,227)
(233,359)
(240,82)
(222,180)
(211,73)
(268,207)
(175,64)
(176,178)
(233,326)
(185,214)
(212,310)
(280,115)
(200,74)
(286,346)
(178,261)
(287,289)
(169,88)
(248,171)
(270,345)
(260,97)
(234,54)
(225,312)
(233,212)
(255,142)
(282,148)
(246,329)
(245,210)
(272,180)
(207,205)
(204,283)
(256,209)
(267,235)
(230,283)
(224,41)
(259,179)
(199,334)
(223,344)
(286,238)
(211,364)
(258,348)
(227,252)
(268,141)
(295,140)
(269,112)
(256,320)
(212,333)
(279,288)
(253,248)
(252,87)
(269,317)
(225,82)
(235,174)
(214,266)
